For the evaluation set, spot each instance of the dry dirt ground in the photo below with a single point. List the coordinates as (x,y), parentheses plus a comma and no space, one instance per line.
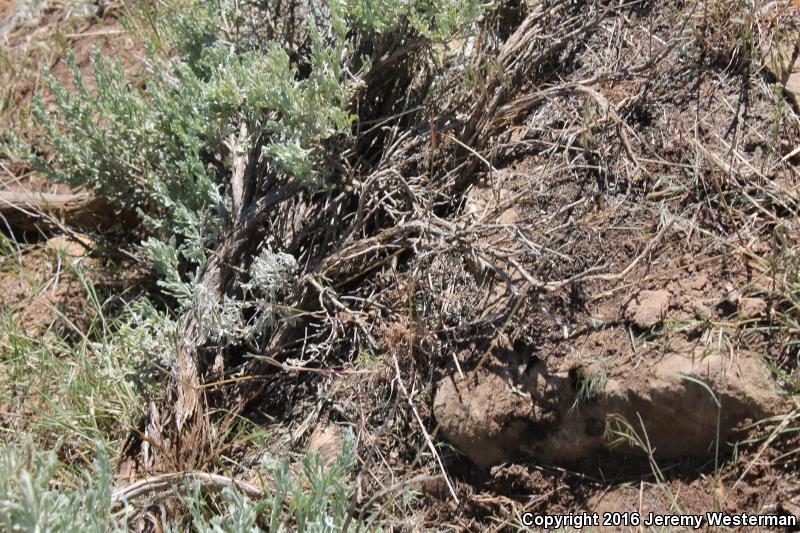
(631,231)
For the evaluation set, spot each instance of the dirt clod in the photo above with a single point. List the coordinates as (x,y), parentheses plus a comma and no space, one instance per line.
(784,63)
(77,246)
(750,308)
(327,442)
(648,308)
(674,405)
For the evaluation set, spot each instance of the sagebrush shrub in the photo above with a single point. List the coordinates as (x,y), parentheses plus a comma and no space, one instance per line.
(164,143)
(164,147)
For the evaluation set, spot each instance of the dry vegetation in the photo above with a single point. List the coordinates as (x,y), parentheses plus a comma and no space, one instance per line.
(553,267)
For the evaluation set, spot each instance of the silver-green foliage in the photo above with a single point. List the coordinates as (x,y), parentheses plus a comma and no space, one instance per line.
(163,147)
(243,318)
(308,496)
(29,501)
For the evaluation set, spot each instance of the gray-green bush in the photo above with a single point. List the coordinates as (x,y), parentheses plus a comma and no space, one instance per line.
(166,142)
(166,148)
(308,496)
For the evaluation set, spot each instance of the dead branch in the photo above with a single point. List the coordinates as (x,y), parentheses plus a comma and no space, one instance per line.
(168,481)
(31,211)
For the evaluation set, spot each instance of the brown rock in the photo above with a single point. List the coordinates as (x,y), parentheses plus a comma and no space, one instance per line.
(7,9)
(482,417)
(676,405)
(648,308)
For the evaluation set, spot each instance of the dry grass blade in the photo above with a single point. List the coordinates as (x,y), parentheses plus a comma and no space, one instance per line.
(428,439)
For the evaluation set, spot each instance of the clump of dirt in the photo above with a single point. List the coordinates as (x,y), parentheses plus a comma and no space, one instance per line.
(648,308)
(7,9)
(680,404)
